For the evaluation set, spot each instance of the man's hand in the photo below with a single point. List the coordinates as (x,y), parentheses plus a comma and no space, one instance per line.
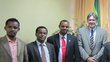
(91,59)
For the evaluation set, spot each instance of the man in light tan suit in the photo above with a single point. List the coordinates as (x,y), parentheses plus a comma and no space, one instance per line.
(12,49)
(91,40)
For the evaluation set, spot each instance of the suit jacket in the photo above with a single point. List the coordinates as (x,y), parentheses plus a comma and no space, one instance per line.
(5,53)
(34,54)
(84,43)
(106,53)
(72,53)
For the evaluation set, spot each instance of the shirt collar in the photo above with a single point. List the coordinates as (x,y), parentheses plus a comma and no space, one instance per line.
(38,43)
(92,29)
(10,39)
(65,36)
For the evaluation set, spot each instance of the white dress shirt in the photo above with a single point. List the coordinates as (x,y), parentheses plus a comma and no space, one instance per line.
(45,49)
(60,49)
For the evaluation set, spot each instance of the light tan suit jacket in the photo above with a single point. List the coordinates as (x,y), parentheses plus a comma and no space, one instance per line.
(5,53)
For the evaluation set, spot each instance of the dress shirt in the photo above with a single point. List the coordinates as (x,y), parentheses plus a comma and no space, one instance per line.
(13,49)
(45,49)
(60,49)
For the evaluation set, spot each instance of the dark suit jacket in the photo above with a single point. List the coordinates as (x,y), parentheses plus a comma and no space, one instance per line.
(5,53)
(34,54)
(106,53)
(72,54)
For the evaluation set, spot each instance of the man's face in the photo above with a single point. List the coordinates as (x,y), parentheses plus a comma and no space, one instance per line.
(12,28)
(41,34)
(64,27)
(92,22)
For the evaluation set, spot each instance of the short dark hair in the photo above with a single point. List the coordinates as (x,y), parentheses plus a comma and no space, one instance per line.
(12,20)
(63,21)
(92,14)
(41,27)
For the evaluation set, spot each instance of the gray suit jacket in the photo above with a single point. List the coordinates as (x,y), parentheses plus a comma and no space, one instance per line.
(34,54)
(84,43)
(5,53)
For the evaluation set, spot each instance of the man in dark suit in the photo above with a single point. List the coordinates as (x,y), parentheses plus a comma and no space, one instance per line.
(39,50)
(12,49)
(106,53)
(65,44)
(91,40)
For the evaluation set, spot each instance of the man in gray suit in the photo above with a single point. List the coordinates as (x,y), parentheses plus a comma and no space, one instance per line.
(12,49)
(91,40)
(39,50)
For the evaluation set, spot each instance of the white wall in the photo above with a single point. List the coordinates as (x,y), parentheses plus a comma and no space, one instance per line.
(32,13)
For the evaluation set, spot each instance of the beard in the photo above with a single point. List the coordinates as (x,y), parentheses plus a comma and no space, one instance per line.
(11,34)
(41,40)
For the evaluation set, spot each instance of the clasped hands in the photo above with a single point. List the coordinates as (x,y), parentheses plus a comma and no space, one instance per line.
(91,59)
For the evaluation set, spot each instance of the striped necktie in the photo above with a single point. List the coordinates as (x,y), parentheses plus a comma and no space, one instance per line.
(43,57)
(92,40)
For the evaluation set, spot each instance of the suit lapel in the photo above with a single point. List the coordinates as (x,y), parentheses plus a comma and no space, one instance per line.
(18,46)
(6,45)
(88,38)
(67,45)
(57,40)
(87,35)
(49,50)
(35,46)
(97,35)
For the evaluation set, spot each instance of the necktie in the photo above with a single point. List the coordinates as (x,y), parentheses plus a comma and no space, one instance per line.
(43,57)
(91,40)
(63,50)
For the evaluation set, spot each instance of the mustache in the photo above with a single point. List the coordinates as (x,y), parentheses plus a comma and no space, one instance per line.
(65,29)
(12,33)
